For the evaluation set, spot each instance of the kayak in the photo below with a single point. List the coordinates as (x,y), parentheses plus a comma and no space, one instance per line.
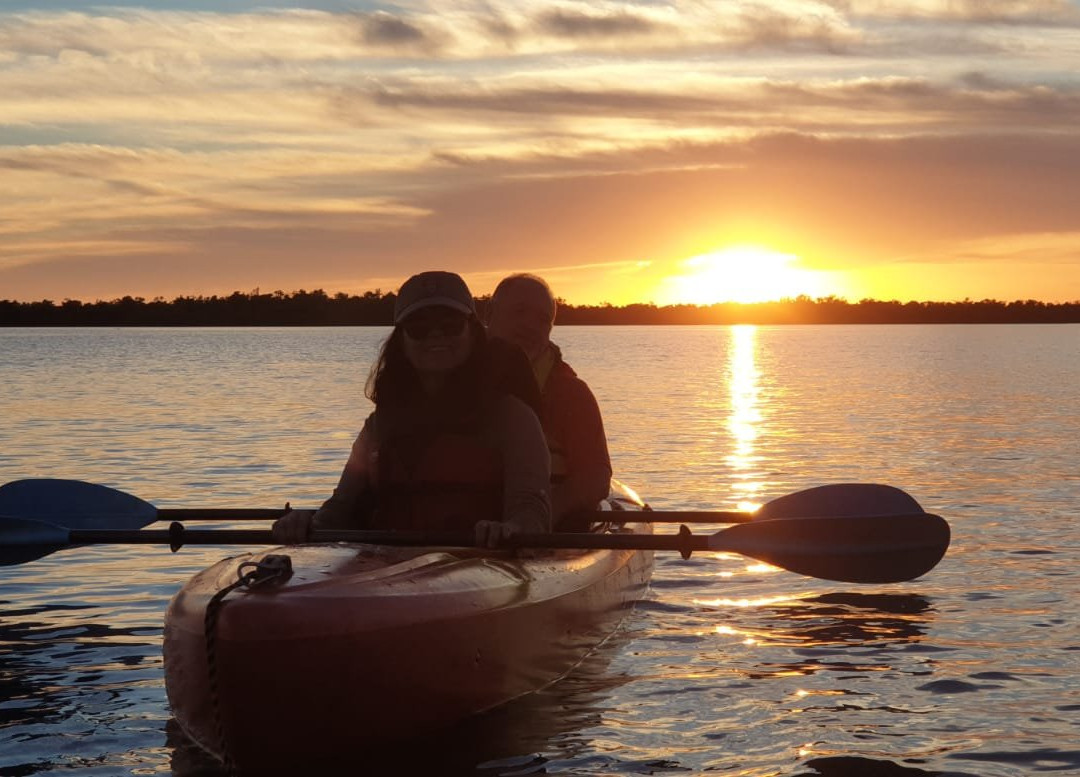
(363,644)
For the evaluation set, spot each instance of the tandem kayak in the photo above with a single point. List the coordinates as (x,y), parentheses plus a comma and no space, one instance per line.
(361,644)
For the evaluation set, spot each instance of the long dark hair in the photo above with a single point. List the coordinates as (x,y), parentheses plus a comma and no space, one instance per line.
(394,381)
(494,367)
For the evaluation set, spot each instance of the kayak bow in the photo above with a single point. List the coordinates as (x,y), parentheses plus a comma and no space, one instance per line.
(366,644)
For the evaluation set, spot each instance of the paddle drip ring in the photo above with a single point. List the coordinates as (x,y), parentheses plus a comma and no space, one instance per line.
(273,567)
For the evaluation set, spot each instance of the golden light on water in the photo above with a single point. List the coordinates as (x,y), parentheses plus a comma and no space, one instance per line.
(745,418)
(762,568)
(749,567)
(747,638)
(761,601)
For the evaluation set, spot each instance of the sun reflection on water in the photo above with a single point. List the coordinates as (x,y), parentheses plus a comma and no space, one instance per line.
(748,567)
(745,416)
(762,601)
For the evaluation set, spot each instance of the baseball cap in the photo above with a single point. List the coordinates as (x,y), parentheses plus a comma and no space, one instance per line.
(431,288)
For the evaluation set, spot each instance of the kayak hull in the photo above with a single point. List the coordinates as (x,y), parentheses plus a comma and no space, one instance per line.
(366,644)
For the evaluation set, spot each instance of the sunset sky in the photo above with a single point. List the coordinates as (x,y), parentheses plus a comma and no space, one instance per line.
(660,150)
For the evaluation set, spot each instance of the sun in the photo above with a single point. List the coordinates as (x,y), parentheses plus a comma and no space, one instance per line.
(741,273)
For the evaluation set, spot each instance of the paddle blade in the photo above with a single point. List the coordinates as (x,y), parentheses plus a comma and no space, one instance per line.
(75,504)
(840,499)
(850,549)
(23,540)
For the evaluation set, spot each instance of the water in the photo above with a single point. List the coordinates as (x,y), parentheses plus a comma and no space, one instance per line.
(727,668)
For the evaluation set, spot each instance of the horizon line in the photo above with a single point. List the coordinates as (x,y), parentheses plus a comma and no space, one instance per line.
(801,298)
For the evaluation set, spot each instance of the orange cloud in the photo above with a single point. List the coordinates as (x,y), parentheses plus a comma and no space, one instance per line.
(158,152)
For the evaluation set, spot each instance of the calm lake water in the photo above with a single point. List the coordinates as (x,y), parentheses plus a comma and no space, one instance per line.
(726,668)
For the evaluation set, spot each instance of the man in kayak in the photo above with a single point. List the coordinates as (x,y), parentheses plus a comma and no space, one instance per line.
(454,441)
(522,310)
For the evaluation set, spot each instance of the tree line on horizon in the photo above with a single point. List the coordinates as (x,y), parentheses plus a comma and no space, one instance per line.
(375,308)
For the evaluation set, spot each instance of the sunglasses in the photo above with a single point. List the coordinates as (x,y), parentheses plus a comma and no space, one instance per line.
(447,324)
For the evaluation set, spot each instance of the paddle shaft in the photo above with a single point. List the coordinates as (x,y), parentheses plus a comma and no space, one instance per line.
(223,514)
(869,549)
(177,536)
(644,516)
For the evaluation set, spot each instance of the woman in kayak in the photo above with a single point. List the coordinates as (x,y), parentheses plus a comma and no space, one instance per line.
(454,441)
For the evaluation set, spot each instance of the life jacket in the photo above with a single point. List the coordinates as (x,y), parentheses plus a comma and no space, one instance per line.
(443,481)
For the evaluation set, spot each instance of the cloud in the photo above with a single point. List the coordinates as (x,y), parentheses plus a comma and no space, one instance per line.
(554,133)
(973,99)
(44,250)
(272,70)
(579,23)
(1025,248)
(912,191)
(172,44)
(1036,12)
(599,112)
(157,39)
(382,33)
(115,197)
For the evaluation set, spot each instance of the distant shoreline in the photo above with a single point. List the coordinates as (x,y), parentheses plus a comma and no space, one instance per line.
(317,308)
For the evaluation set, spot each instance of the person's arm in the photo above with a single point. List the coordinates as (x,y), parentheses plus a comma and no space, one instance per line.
(339,511)
(580,432)
(526,471)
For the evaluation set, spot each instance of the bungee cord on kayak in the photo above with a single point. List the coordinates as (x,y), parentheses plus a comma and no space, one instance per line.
(269,569)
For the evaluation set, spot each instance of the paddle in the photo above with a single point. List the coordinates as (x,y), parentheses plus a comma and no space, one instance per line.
(848,548)
(857,549)
(86,505)
(80,505)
